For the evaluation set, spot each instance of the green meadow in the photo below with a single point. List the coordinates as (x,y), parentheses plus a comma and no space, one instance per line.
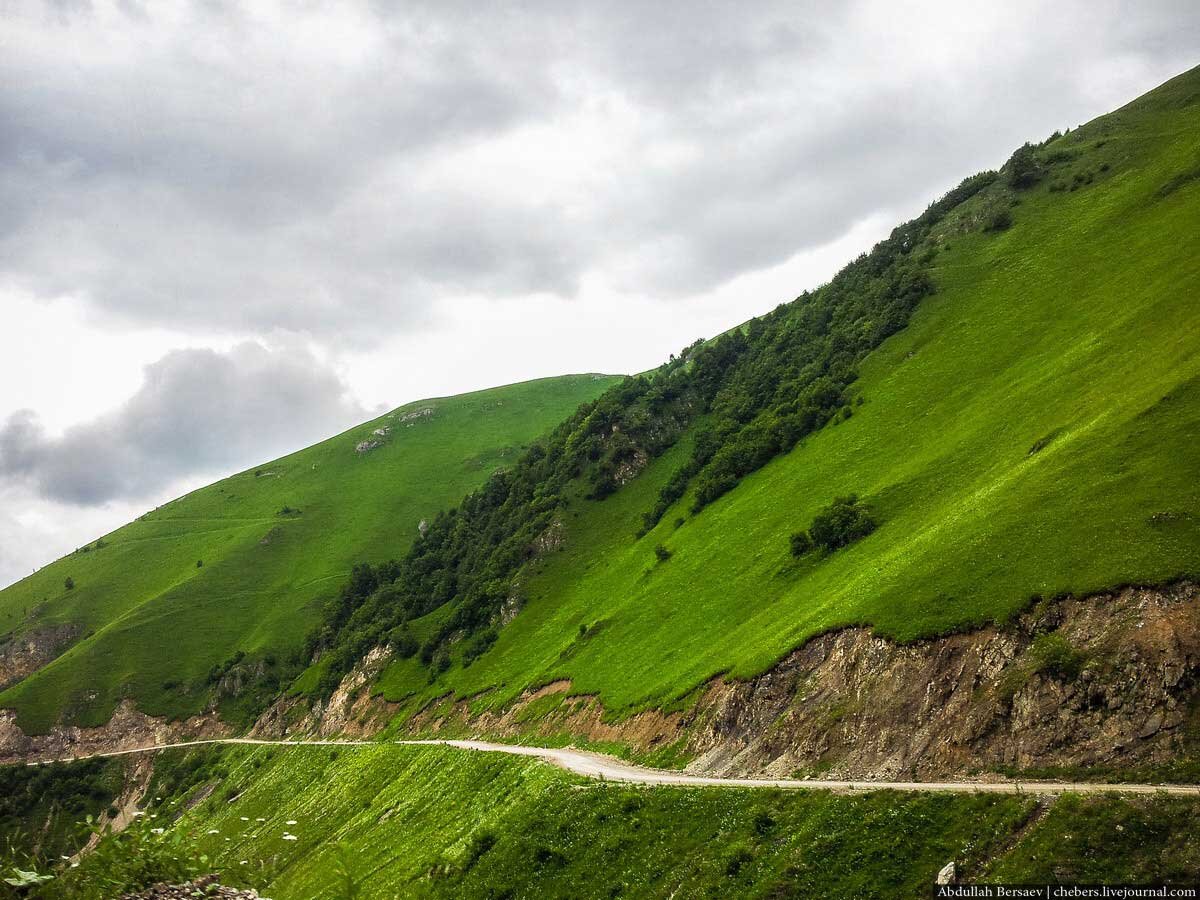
(274,542)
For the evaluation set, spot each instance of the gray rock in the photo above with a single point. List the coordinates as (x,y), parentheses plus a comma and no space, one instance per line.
(946,874)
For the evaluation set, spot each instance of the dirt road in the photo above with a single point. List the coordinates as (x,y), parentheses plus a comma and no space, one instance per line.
(607,768)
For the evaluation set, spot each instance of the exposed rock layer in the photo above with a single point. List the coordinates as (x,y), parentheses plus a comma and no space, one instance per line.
(128,729)
(23,655)
(1106,680)
(350,711)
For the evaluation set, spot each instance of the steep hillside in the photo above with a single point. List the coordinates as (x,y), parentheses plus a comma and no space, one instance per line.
(161,609)
(1031,432)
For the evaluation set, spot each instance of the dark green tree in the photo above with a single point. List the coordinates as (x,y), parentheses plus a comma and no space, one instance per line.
(801,543)
(1023,169)
(843,522)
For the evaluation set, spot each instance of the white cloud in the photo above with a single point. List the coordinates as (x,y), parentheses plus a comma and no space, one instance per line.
(197,411)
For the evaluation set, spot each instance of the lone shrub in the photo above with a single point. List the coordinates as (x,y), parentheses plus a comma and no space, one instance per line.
(843,522)
(662,553)
(738,860)
(1053,655)
(405,644)
(1001,220)
(801,543)
(69,583)
(764,824)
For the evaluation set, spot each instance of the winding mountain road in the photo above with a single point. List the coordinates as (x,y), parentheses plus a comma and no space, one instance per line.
(609,769)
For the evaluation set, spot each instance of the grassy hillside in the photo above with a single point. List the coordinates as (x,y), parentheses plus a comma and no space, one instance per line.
(1031,432)
(273,543)
(390,821)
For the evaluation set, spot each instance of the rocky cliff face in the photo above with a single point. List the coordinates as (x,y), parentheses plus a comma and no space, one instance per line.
(1109,680)
(128,729)
(350,711)
(23,655)
(1106,680)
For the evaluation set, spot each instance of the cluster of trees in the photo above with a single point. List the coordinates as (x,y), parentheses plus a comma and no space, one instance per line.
(357,619)
(842,522)
(792,369)
(1023,169)
(79,788)
(1031,163)
(469,555)
(787,373)
(754,391)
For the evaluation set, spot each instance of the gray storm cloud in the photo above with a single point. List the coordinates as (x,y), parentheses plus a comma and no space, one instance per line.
(338,168)
(198,411)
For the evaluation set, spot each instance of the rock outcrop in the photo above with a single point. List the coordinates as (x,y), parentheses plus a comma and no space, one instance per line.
(26,653)
(128,729)
(1109,680)
(349,711)
(205,886)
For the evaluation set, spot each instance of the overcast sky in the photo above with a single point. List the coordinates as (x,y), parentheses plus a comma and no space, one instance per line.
(228,230)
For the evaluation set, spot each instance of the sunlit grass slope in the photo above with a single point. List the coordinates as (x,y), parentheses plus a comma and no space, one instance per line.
(1032,431)
(432,822)
(387,821)
(273,541)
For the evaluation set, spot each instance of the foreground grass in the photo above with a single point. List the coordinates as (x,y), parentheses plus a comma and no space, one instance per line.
(1032,432)
(388,821)
(152,623)
(432,822)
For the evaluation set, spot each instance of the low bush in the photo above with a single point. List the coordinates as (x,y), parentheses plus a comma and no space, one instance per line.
(1001,220)
(801,543)
(843,522)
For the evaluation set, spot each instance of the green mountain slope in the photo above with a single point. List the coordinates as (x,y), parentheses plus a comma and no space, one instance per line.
(1031,432)
(151,623)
